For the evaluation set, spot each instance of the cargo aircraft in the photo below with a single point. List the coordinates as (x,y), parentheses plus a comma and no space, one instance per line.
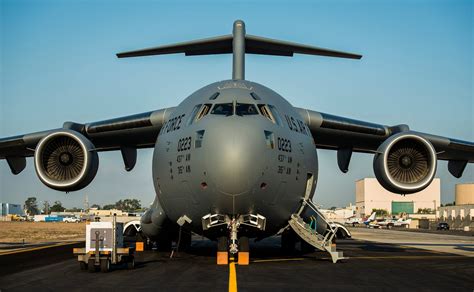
(235,160)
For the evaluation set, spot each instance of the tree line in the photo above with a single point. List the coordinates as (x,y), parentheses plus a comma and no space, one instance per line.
(31,206)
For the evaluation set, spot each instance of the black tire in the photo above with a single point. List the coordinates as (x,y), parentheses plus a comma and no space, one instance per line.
(164,242)
(244,244)
(90,266)
(222,244)
(185,241)
(131,263)
(306,247)
(104,265)
(288,241)
(341,234)
(140,237)
(83,266)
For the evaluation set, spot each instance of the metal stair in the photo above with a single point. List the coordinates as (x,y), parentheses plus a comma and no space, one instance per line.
(321,237)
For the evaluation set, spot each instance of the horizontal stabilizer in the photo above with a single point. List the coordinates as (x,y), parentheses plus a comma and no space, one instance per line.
(253,45)
(265,46)
(208,46)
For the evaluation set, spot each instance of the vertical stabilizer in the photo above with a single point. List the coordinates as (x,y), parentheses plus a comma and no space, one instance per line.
(238,50)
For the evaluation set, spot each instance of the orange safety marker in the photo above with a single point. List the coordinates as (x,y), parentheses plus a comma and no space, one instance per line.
(244,257)
(222,258)
(139,246)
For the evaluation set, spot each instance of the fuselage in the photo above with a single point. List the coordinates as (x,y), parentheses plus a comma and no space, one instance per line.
(234,148)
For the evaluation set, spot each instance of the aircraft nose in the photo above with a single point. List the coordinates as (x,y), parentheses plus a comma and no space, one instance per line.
(236,157)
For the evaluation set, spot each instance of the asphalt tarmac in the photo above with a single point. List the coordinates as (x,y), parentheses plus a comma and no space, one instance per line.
(372,266)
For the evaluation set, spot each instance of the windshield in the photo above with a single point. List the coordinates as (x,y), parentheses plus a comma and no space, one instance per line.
(245,109)
(223,109)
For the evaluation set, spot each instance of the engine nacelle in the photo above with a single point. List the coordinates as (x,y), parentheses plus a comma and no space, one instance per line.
(405,163)
(65,160)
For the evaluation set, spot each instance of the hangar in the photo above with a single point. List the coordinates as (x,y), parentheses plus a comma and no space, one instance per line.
(371,195)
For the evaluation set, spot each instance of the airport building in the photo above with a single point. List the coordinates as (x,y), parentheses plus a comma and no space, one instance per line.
(371,195)
(461,215)
(11,209)
(103,213)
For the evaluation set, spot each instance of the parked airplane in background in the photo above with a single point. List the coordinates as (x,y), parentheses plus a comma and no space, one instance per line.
(235,160)
(353,221)
(370,219)
(356,220)
(388,223)
(402,222)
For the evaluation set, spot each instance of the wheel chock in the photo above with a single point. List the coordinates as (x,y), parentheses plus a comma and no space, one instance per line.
(139,246)
(244,257)
(222,258)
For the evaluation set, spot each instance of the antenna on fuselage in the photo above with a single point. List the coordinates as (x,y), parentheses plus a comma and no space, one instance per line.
(238,43)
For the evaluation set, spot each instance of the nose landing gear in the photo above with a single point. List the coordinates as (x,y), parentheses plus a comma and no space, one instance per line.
(231,243)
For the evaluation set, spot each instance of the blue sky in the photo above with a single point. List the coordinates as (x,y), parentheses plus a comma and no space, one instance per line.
(58,64)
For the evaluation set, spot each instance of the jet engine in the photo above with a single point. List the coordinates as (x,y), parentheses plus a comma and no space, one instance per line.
(65,160)
(405,163)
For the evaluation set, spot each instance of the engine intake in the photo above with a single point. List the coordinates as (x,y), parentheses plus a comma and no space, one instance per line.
(65,160)
(405,163)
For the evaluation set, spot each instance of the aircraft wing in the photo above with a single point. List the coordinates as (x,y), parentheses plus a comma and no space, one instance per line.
(134,131)
(346,135)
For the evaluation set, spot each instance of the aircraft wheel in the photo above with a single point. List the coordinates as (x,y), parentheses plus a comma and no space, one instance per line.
(104,265)
(222,244)
(140,237)
(185,241)
(83,266)
(244,244)
(288,241)
(90,266)
(131,263)
(306,247)
(164,242)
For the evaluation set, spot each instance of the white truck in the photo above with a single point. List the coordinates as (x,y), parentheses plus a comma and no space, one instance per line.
(71,220)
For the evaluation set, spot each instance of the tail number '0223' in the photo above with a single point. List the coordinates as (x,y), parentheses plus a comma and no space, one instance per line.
(184,144)
(284,144)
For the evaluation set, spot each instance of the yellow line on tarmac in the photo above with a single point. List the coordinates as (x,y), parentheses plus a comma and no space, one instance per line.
(232,277)
(37,248)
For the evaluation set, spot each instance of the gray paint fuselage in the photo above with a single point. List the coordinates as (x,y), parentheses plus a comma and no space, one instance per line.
(234,172)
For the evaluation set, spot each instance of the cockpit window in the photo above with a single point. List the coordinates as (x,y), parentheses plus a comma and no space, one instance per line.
(270,113)
(245,109)
(214,96)
(204,111)
(255,96)
(193,114)
(275,114)
(225,109)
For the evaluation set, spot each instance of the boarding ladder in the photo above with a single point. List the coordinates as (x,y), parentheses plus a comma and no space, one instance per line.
(321,237)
